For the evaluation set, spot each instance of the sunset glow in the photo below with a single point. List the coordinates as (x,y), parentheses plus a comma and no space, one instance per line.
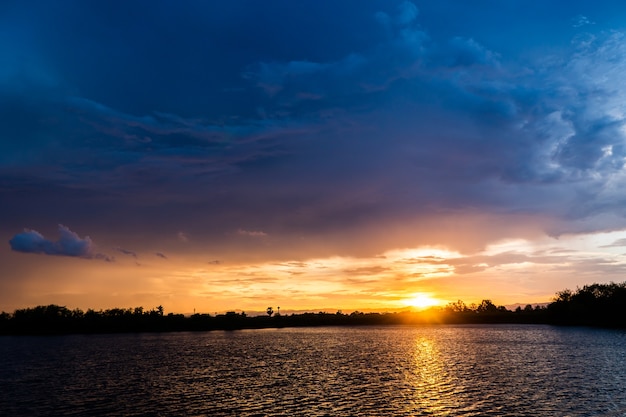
(423,301)
(371,156)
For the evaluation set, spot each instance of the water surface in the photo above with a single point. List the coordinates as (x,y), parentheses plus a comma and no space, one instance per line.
(498,370)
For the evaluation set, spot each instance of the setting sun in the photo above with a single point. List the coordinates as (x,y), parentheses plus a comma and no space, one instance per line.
(422,301)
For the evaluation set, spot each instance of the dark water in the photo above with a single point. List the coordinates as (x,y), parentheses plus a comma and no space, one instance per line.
(387,371)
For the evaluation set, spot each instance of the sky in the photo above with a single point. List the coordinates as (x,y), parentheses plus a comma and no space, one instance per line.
(317,156)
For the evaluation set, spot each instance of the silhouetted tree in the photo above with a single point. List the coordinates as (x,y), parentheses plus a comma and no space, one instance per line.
(270,311)
(457,307)
(486,306)
(595,304)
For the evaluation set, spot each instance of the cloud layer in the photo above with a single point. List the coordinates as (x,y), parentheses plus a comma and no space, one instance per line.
(389,120)
(350,129)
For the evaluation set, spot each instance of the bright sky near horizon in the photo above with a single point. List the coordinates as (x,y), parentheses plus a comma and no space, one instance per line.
(309,155)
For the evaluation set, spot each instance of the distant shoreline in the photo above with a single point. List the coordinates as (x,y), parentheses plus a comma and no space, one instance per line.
(200,323)
(598,305)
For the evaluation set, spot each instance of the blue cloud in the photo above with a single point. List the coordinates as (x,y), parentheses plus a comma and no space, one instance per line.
(407,13)
(467,52)
(68,244)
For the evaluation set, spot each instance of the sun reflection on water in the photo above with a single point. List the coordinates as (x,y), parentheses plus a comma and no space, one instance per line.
(433,387)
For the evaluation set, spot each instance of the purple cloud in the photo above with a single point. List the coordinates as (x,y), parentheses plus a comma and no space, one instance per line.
(68,244)
(127,252)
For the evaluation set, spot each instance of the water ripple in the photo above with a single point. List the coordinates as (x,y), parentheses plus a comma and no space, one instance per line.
(397,371)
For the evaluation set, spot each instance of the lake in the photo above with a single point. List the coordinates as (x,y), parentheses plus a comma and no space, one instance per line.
(448,370)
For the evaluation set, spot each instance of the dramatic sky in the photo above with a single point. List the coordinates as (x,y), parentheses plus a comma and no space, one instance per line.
(309,154)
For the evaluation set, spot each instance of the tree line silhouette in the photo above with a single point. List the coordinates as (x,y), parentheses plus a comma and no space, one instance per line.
(592,305)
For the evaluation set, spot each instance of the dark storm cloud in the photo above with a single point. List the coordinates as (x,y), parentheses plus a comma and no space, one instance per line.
(367,112)
(309,85)
(552,125)
(68,244)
